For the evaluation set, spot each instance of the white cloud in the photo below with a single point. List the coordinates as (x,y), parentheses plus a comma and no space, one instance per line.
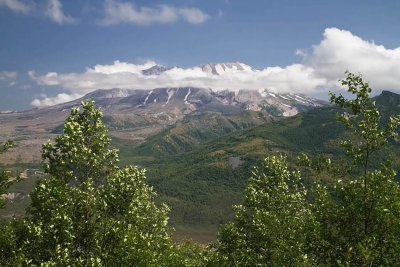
(341,50)
(193,15)
(50,101)
(121,67)
(300,53)
(126,75)
(16,6)
(8,75)
(319,72)
(55,13)
(126,12)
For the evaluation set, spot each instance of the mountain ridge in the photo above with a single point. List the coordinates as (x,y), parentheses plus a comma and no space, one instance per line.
(245,99)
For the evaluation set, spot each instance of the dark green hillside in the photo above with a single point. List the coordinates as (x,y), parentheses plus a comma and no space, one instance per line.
(197,128)
(199,181)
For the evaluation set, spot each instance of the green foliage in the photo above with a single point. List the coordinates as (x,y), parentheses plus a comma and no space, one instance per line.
(363,122)
(11,243)
(191,254)
(359,216)
(80,153)
(90,212)
(5,176)
(7,145)
(273,225)
(353,222)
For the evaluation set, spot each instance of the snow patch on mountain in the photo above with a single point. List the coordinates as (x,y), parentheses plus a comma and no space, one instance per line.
(159,100)
(156,70)
(222,68)
(147,97)
(186,96)
(170,92)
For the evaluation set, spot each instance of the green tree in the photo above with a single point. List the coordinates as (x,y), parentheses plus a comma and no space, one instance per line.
(273,226)
(8,237)
(5,176)
(89,212)
(354,222)
(359,216)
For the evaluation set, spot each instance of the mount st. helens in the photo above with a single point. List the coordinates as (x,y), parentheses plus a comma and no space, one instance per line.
(232,76)
(134,115)
(171,120)
(210,68)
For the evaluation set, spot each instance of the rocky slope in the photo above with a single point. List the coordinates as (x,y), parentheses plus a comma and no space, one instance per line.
(187,99)
(134,115)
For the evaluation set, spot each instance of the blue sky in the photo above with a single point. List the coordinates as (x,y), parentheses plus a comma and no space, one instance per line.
(49,49)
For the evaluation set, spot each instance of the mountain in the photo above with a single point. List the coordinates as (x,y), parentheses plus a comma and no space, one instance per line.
(211,68)
(191,99)
(156,70)
(201,184)
(221,68)
(134,115)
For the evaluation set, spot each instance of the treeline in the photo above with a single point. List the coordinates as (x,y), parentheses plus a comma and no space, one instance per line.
(90,212)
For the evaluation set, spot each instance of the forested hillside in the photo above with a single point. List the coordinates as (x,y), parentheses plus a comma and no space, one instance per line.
(200,181)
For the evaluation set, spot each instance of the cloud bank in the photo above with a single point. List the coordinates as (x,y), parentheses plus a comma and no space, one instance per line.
(114,12)
(16,6)
(125,12)
(319,72)
(58,99)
